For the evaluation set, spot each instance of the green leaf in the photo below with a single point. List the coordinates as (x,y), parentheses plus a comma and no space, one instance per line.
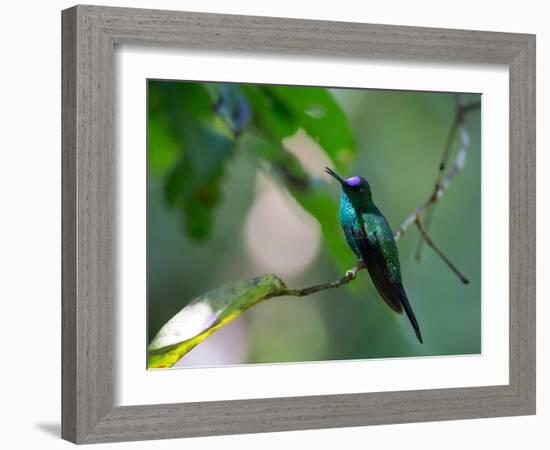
(176,99)
(270,115)
(322,118)
(201,120)
(163,147)
(204,315)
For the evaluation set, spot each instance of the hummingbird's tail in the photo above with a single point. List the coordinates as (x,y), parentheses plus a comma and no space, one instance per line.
(410,314)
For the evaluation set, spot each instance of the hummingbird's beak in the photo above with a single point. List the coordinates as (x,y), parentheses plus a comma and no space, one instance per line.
(335,175)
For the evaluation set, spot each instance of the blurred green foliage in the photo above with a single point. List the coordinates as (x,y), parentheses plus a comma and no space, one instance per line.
(201,124)
(206,142)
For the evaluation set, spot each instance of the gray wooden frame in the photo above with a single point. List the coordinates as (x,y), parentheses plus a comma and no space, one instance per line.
(89,36)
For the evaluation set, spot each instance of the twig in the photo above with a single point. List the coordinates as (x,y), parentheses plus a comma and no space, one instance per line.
(347,278)
(470,107)
(461,110)
(440,171)
(431,243)
(442,187)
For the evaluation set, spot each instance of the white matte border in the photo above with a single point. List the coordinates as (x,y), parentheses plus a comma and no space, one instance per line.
(135,385)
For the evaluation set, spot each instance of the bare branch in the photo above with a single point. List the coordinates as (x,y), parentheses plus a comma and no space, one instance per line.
(470,107)
(441,188)
(461,110)
(431,243)
(347,278)
(440,171)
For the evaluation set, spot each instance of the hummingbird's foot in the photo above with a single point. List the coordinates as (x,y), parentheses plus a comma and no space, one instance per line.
(350,274)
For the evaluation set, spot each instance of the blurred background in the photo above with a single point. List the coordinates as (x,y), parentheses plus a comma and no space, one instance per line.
(236,189)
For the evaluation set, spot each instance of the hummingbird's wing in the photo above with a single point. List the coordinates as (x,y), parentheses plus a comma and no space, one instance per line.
(379,253)
(374,257)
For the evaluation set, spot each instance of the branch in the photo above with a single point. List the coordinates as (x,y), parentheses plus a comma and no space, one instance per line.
(442,186)
(431,243)
(441,169)
(461,111)
(347,278)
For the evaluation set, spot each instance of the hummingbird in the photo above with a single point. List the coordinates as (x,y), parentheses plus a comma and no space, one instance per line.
(370,237)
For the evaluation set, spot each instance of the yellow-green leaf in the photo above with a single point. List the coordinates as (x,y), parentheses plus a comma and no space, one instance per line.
(204,315)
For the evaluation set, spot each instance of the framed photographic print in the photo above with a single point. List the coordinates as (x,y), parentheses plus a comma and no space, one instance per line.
(278,224)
